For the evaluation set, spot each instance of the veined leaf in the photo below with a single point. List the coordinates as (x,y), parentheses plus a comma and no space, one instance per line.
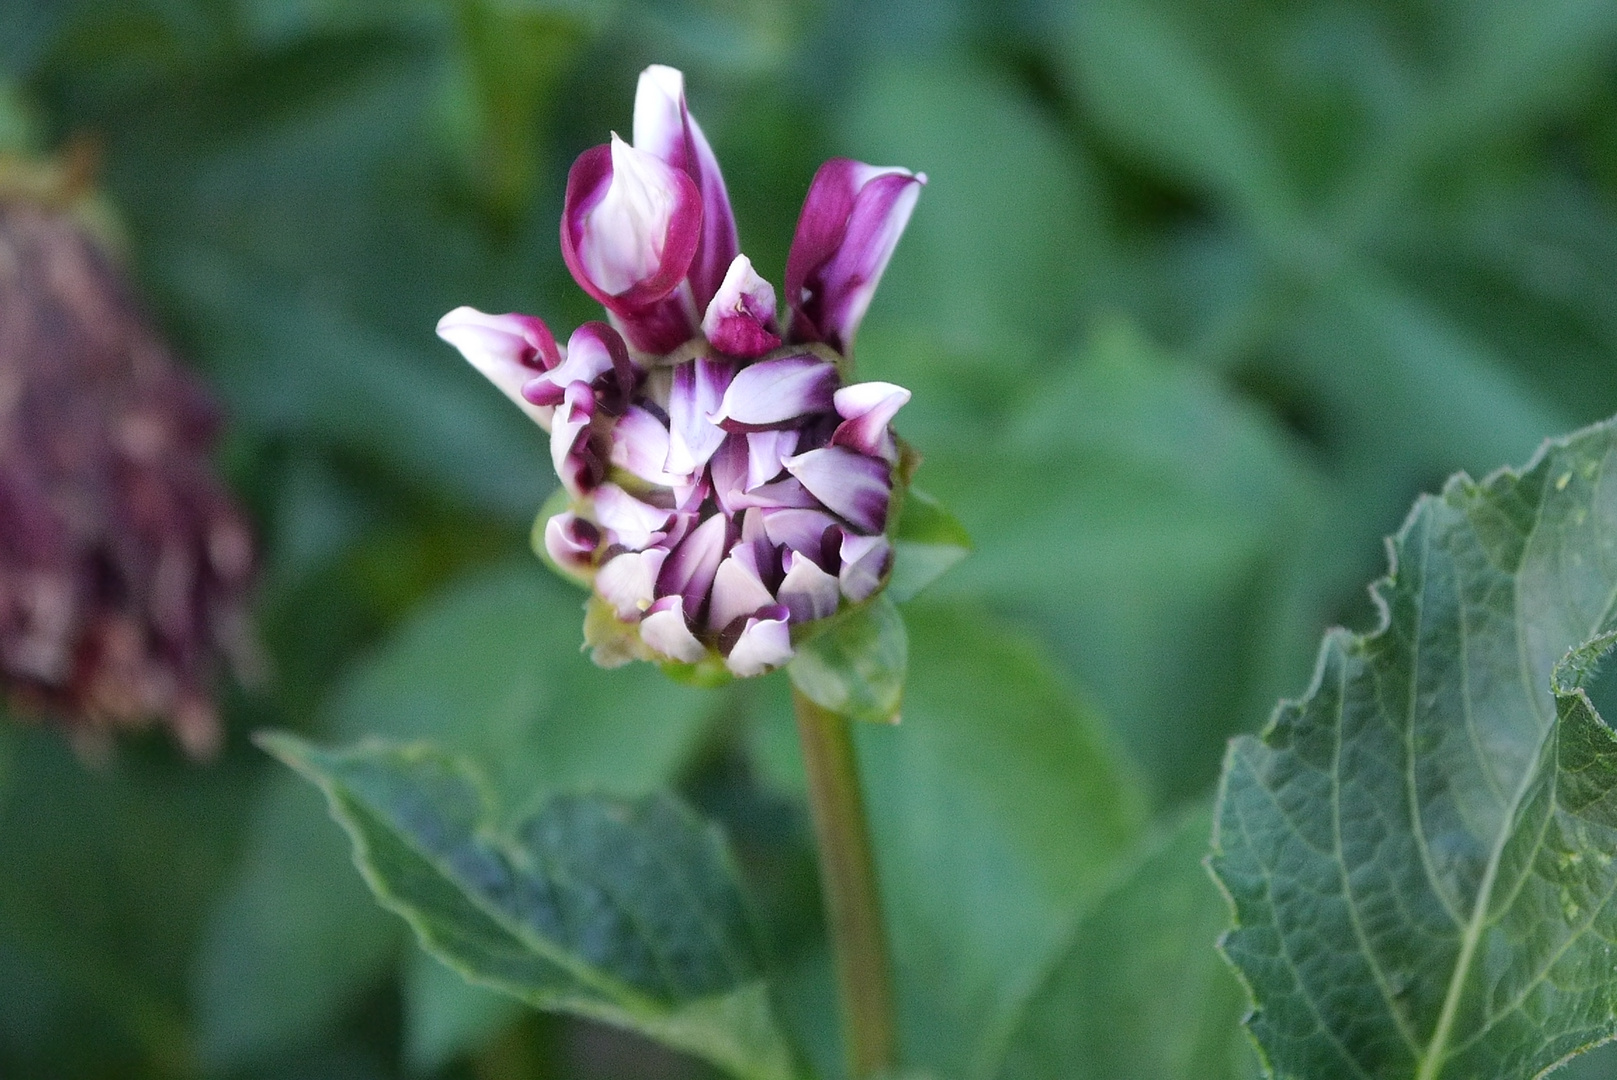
(1420,851)
(624,911)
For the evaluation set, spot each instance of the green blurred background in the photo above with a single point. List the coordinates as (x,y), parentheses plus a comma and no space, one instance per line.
(1200,295)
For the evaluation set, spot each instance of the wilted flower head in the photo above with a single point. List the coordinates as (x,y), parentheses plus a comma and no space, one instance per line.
(124,563)
(725,486)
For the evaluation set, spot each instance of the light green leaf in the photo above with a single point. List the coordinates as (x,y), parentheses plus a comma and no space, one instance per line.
(928,541)
(856,666)
(625,912)
(1420,851)
(1137,991)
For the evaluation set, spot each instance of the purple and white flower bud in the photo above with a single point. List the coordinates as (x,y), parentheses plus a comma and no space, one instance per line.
(725,492)
(740,321)
(852,220)
(508,349)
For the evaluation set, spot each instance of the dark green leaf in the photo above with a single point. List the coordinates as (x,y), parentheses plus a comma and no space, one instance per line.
(1137,991)
(1421,850)
(928,541)
(856,666)
(626,912)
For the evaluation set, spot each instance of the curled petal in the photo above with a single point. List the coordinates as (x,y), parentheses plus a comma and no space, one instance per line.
(628,520)
(852,485)
(864,561)
(698,388)
(807,591)
(689,570)
(570,450)
(640,445)
(851,222)
(765,643)
(664,128)
(737,589)
(728,470)
(629,231)
(784,493)
(767,452)
(593,350)
(664,629)
(507,349)
(571,541)
(774,392)
(804,531)
(628,581)
(867,409)
(740,321)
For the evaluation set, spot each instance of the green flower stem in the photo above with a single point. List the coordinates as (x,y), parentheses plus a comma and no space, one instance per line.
(848,881)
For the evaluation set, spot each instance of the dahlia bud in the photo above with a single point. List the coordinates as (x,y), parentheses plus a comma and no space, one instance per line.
(724,492)
(124,562)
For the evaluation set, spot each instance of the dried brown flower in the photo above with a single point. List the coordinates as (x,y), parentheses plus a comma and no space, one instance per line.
(124,562)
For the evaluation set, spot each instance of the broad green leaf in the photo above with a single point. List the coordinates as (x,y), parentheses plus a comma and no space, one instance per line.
(1420,852)
(1137,991)
(626,912)
(927,542)
(490,668)
(856,666)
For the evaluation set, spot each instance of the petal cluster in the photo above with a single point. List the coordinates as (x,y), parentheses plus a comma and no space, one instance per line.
(726,486)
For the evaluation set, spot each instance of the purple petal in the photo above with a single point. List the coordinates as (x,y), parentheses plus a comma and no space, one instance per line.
(570,448)
(851,222)
(640,445)
(571,541)
(628,520)
(664,127)
(807,591)
(737,589)
(774,392)
(592,351)
(767,452)
(629,581)
(630,228)
(867,409)
(507,349)
(765,643)
(786,493)
(741,319)
(864,561)
(665,630)
(728,470)
(699,386)
(689,571)
(852,485)
(801,530)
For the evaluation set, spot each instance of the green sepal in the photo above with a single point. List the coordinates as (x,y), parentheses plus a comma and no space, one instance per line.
(855,664)
(927,541)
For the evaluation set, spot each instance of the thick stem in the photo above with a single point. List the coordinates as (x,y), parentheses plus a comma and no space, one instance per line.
(848,880)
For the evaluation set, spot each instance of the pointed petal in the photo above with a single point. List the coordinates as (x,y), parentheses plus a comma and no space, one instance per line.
(774,392)
(629,581)
(741,319)
(767,452)
(728,469)
(737,590)
(507,349)
(852,219)
(628,520)
(808,592)
(690,569)
(785,493)
(592,351)
(864,561)
(664,128)
(570,450)
(571,541)
(640,446)
(765,643)
(867,409)
(852,485)
(801,530)
(664,629)
(699,387)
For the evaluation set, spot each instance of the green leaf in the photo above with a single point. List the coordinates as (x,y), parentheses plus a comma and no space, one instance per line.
(1420,852)
(856,665)
(446,1016)
(928,541)
(625,912)
(1137,991)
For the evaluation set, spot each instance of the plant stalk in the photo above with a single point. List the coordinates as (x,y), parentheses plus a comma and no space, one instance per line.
(848,881)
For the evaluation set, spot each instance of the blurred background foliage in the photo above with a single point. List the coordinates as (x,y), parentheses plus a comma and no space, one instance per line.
(1201,294)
